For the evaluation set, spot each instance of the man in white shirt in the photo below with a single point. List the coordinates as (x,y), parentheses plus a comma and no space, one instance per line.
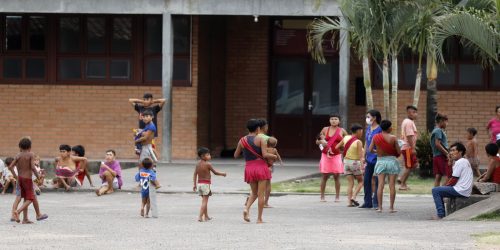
(460,183)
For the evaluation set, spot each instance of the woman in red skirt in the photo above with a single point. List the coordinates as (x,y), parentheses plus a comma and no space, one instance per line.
(257,173)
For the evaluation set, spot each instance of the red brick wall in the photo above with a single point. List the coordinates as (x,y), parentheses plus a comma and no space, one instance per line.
(247,74)
(98,117)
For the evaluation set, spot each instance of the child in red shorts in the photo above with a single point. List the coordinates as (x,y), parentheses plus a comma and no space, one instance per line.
(439,144)
(25,163)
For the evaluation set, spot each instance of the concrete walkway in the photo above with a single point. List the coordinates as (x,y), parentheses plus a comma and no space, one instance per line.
(178,176)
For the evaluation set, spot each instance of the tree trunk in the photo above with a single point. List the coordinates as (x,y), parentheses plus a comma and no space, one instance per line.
(385,79)
(431,92)
(394,94)
(416,93)
(367,82)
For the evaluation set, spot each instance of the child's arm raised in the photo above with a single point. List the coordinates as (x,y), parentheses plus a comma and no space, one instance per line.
(215,171)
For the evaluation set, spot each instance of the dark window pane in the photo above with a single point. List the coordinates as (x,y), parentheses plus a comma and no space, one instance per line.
(446,76)
(13,33)
(120,69)
(153,70)
(182,31)
(470,75)
(35,68)
(96,31)
(69,34)
(12,68)
(410,74)
(495,77)
(181,69)
(122,35)
(37,32)
(95,69)
(70,68)
(153,35)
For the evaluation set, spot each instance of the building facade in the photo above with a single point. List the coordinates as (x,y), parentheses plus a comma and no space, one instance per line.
(68,67)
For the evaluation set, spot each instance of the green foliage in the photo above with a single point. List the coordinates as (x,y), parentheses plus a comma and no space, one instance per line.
(424,154)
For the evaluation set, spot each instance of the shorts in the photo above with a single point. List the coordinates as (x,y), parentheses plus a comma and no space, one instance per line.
(387,165)
(204,189)
(145,193)
(115,183)
(26,186)
(352,167)
(440,166)
(409,159)
(147,152)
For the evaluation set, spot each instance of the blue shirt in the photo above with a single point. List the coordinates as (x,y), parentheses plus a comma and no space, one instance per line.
(438,133)
(371,157)
(144,177)
(150,127)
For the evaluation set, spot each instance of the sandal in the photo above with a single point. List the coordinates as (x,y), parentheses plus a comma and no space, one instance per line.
(356,203)
(43,217)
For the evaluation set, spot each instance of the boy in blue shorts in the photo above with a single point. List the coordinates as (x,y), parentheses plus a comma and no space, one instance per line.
(144,177)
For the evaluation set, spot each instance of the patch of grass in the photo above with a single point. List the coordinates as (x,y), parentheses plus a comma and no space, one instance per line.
(488,239)
(417,186)
(493,216)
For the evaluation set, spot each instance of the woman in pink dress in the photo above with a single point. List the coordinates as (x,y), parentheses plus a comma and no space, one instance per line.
(331,160)
(494,126)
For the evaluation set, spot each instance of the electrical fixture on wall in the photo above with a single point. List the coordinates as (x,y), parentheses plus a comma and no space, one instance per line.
(256,18)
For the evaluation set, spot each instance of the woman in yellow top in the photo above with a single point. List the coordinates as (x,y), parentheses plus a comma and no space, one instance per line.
(354,161)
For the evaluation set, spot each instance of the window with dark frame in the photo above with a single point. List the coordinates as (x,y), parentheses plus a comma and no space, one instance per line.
(91,49)
(461,71)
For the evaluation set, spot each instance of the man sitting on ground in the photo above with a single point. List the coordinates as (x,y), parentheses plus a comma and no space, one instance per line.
(460,183)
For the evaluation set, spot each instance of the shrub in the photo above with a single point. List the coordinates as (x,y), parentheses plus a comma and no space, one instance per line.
(424,154)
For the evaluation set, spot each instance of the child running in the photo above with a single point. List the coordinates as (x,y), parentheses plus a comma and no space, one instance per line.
(387,162)
(471,151)
(354,160)
(146,176)
(202,174)
(25,163)
(439,145)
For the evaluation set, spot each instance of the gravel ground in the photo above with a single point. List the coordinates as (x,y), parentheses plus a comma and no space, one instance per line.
(84,221)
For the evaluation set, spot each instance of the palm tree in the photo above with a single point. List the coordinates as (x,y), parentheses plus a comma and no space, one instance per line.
(357,16)
(475,22)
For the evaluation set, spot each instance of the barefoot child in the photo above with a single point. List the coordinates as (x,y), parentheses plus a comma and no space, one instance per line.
(202,174)
(387,162)
(25,163)
(471,152)
(354,160)
(146,176)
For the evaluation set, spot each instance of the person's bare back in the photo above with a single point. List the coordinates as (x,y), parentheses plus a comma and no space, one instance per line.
(25,163)
(471,148)
(389,138)
(203,169)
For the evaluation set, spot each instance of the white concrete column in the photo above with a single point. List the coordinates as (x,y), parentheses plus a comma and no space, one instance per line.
(166,85)
(344,63)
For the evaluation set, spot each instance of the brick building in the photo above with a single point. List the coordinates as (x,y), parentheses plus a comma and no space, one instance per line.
(68,67)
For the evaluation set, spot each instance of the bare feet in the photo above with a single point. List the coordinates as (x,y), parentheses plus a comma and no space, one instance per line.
(393,211)
(109,191)
(267,206)
(97,192)
(403,188)
(200,220)
(322,199)
(15,216)
(379,210)
(142,212)
(245,216)
(27,222)
(337,199)
(260,221)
